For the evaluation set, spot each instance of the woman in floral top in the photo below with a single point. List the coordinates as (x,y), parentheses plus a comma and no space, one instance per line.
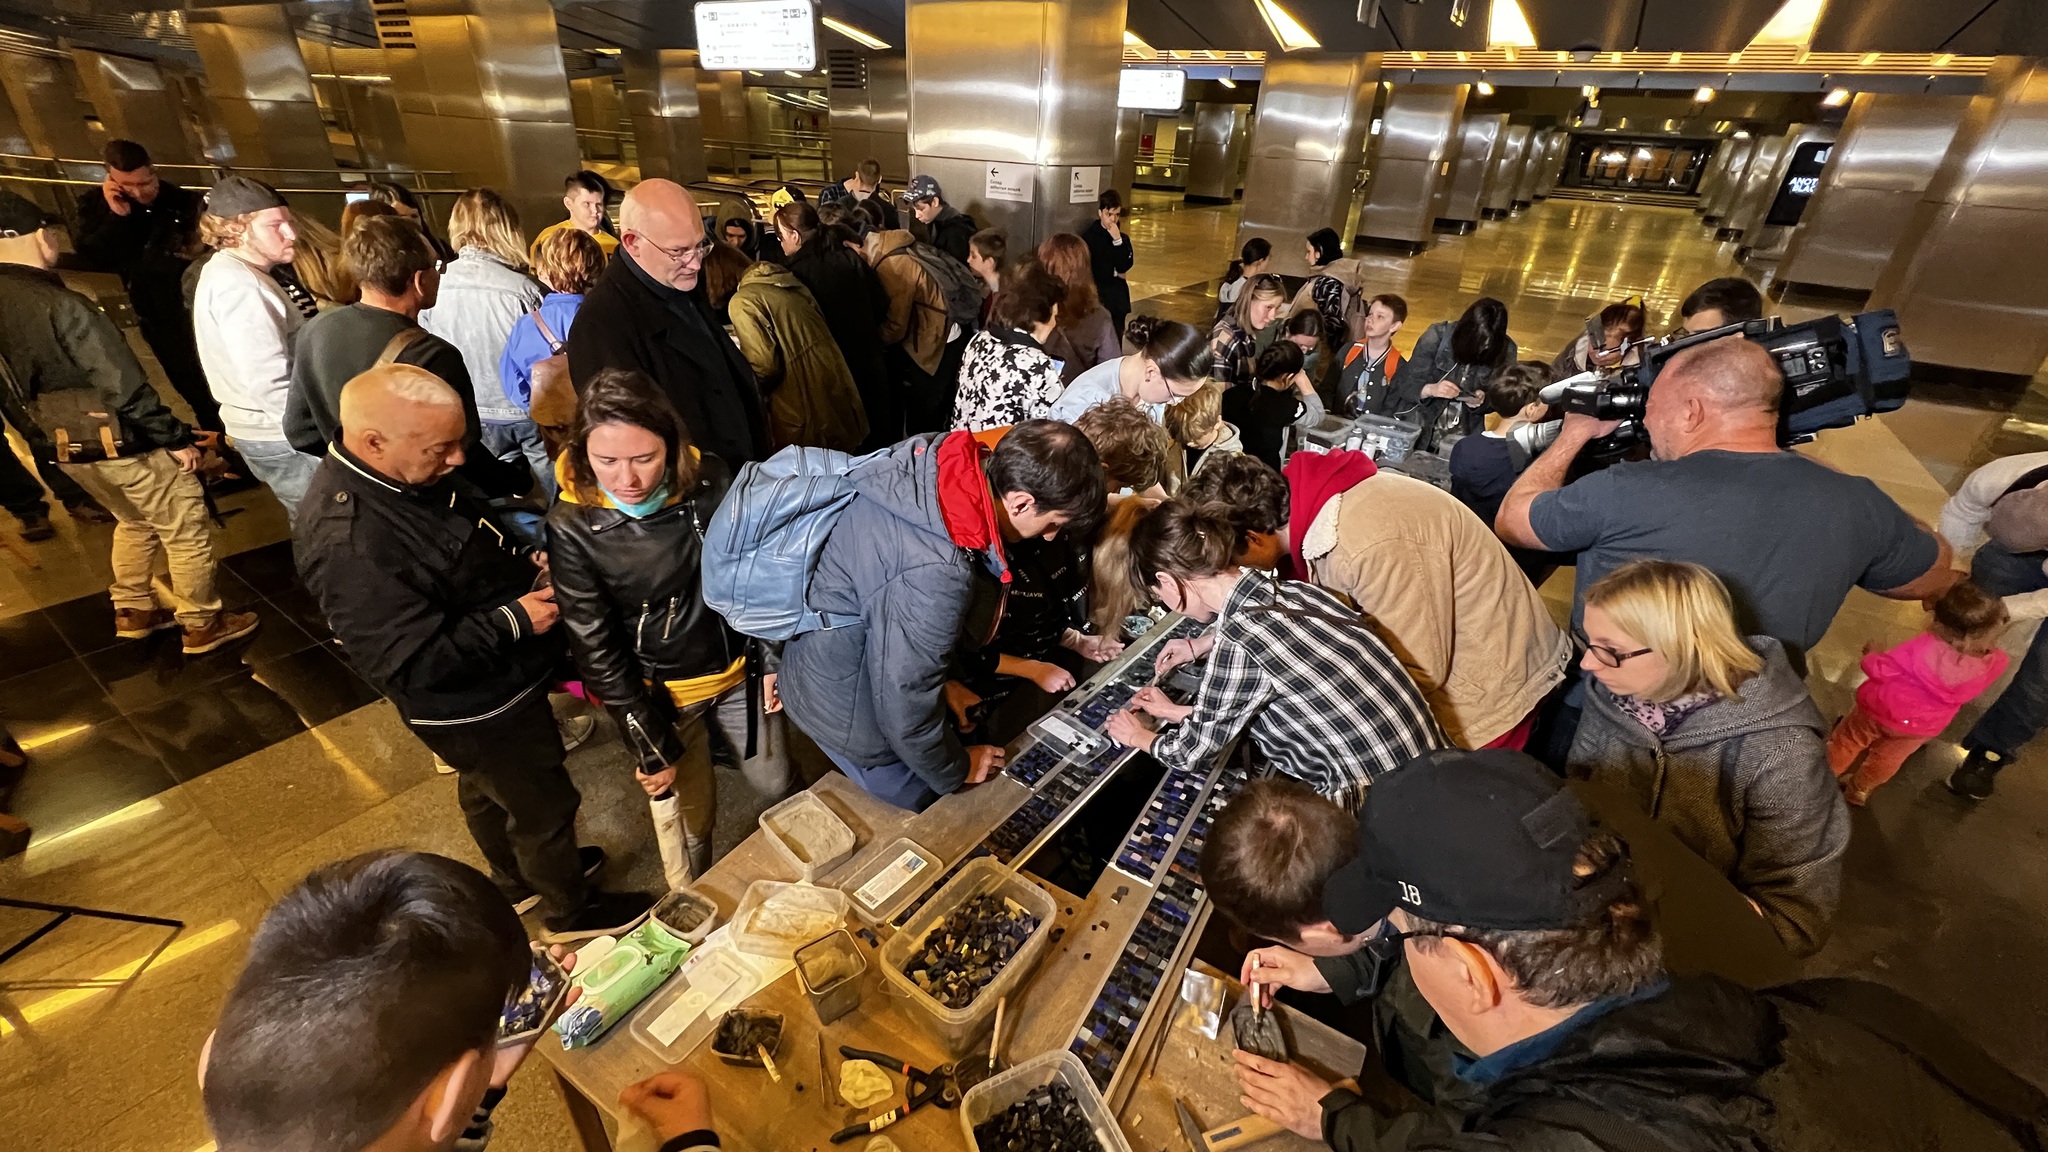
(1006,375)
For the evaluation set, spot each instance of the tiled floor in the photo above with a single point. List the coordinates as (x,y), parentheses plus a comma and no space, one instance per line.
(201,789)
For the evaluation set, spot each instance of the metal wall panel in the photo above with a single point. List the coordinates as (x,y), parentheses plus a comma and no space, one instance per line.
(1969,278)
(1130,129)
(1887,154)
(43,90)
(1762,241)
(1552,163)
(1714,205)
(661,98)
(873,120)
(1220,136)
(258,84)
(135,103)
(1532,165)
(484,94)
(1506,171)
(1307,144)
(1019,82)
(1419,135)
(1485,136)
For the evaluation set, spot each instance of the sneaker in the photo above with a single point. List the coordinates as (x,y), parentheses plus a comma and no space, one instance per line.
(525,899)
(36,526)
(442,766)
(605,914)
(135,623)
(1972,778)
(88,512)
(227,627)
(575,730)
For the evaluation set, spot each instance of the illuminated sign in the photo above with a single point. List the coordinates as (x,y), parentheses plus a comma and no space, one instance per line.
(1153,89)
(757,34)
(1802,180)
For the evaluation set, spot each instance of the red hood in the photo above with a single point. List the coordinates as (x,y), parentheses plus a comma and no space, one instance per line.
(1312,479)
(966,503)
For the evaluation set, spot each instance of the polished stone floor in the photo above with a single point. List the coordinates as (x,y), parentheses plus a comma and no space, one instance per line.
(200,789)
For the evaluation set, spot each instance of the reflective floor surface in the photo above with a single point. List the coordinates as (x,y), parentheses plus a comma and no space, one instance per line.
(200,789)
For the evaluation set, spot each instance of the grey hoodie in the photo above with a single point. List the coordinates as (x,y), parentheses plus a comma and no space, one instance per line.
(1744,783)
(874,691)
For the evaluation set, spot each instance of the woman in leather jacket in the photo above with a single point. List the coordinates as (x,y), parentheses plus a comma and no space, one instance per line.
(624,547)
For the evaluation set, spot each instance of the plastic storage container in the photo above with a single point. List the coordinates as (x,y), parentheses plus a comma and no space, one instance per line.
(679,1017)
(808,836)
(956,1029)
(1000,1091)
(889,881)
(687,906)
(831,969)
(775,919)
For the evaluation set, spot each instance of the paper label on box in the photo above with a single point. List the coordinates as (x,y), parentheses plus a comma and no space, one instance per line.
(890,880)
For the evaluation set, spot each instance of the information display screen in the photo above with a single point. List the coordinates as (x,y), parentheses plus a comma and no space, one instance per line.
(757,34)
(1153,89)
(1802,180)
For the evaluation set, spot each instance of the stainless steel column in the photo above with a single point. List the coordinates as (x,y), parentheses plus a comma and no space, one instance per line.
(1220,136)
(1532,166)
(1499,196)
(484,95)
(870,115)
(1307,143)
(1760,181)
(661,97)
(1762,240)
(1484,138)
(1419,138)
(134,102)
(1969,278)
(1130,126)
(1552,163)
(1887,154)
(259,87)
(1714,205)
(43,90)
(1008,99)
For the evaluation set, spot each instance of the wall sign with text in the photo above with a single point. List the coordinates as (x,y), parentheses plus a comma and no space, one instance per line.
(757,34)
(1802,180)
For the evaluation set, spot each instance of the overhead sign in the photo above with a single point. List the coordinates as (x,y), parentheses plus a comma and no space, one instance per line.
(757,34)
(1010,182)
(1154,89)
(1802,180)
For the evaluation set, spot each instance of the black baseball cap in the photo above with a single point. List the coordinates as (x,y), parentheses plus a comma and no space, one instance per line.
(20,216)
(236,195)
(1481,839)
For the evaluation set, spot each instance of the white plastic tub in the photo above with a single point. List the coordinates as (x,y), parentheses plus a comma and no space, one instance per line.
(775,919)
(1004,1089)
(808,836)
(957,1029)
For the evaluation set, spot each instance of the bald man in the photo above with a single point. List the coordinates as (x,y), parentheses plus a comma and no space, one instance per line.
(443,612)
(649,313)
(1788,535)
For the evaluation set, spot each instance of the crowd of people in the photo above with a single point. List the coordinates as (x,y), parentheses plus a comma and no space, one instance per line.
(513,465)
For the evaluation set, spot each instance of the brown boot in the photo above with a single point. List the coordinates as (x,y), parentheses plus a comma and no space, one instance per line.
(227,627)
(135,623)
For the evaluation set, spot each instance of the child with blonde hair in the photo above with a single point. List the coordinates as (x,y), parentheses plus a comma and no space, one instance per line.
(1915,689)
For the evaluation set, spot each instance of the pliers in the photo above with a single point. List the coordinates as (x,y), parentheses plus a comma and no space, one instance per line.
(919,1088)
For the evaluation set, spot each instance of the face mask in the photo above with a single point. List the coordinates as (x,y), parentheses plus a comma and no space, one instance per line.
(644,508)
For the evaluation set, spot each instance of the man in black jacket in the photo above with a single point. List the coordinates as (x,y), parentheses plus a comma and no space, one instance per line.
(434,604)
(938,223)
(71,380)
(1110,257)
(1520,989)
(400,276)
(648,313)
(140,227)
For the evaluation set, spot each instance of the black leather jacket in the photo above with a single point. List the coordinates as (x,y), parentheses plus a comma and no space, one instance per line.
(632,603)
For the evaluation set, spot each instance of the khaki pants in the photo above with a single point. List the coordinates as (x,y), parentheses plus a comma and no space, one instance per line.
(161,512)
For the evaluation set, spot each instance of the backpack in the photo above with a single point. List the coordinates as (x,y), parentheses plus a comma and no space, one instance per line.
(1345,273)
(764,541)
(552,401)
(2019,517)
(959,287)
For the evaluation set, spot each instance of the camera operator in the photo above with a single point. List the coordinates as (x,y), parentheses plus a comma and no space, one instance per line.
(1520,989)
(1719,303)
(1788,535)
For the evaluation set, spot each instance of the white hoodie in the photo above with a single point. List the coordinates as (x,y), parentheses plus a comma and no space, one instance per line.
(244,325)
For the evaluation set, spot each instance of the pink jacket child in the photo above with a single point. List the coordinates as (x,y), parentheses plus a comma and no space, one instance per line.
(1915,689)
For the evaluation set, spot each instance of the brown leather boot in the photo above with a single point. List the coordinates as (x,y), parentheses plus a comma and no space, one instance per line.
(227,627)
(135,623)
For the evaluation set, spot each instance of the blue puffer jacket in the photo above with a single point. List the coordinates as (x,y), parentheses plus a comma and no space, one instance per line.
(874,691)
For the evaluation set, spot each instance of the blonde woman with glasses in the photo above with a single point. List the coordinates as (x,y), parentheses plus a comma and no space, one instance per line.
(1713,734)
(483,294)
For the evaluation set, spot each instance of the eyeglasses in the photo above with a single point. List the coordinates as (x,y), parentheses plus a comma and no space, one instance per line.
(1610,657)
(686,254)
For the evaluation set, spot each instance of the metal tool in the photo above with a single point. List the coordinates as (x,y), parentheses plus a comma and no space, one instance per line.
(1188,1127)
(919,1088)
(977,1068)
(825,1072)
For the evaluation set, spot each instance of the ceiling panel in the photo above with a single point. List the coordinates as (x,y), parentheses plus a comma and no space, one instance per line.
(1700,25)
(1609,25)
(1906,26)
(1427,27)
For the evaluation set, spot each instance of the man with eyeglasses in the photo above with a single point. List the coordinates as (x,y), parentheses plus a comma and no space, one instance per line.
(648,313)
(1520,989)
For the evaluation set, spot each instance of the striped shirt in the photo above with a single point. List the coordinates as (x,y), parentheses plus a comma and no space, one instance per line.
(1323,698)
